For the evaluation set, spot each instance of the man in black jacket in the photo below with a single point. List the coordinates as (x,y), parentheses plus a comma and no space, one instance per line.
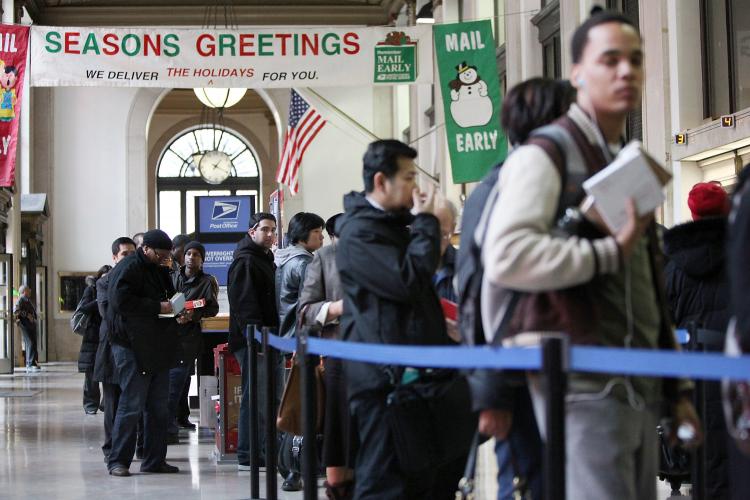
(386,258)
(143,347)
(195,285)
(104,365)
(252,301)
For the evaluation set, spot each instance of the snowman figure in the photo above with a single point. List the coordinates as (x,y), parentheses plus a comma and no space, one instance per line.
(470,104)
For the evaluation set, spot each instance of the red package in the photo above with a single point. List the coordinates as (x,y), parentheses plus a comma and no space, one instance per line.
(450,309)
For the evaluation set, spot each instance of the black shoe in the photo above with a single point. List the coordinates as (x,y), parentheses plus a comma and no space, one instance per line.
(173,439)
(186,424)
(119,471)
(293,482)
(139,453)
(90,412)
(164,468)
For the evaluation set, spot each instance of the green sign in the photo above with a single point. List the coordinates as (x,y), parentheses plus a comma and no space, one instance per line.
(396,59)
(471,98)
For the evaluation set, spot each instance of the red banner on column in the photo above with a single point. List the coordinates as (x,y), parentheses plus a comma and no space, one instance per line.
(14,40)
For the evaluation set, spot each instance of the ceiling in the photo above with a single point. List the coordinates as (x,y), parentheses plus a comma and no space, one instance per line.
(184,101)
(196,12)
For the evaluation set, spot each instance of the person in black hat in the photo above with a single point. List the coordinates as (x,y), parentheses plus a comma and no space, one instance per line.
(143,347)
(195,284)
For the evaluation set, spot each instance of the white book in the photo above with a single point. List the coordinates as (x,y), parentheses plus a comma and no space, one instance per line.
(632,174)
(178,305)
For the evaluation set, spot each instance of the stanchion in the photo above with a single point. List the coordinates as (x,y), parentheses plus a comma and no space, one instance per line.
(309,453)
(252,379)
(555,380)
(270,357)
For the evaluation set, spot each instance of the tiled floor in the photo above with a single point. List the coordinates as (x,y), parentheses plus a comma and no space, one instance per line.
(49,449)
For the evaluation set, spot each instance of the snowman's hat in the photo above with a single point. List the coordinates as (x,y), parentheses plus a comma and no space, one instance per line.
(462,67)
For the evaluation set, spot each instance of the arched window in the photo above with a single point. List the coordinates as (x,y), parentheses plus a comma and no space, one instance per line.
(179,181)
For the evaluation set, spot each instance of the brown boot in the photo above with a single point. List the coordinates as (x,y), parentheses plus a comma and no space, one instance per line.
(340,491)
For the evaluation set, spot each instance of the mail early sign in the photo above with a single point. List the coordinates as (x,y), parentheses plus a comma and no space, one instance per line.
(471,98)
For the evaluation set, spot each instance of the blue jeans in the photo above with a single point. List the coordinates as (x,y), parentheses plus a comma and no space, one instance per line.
(243,426)
(141,393)
(525,445)
(29,343)
(177,378)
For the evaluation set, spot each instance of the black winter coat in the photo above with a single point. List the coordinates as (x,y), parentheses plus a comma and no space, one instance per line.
(136,289)
(739,256)
(251,290)
(697,280)
(90,341)
(386,274)
(199,286)
(104,368)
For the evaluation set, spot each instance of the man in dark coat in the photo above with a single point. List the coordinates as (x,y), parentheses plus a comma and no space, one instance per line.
(104,366)
(90,343)
(698,292)
(738,251)
(252,301)
(195,285)
(144,348)
(386,259)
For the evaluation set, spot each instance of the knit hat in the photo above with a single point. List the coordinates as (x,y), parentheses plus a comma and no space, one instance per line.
(708,199)
(157,239)
(201,249)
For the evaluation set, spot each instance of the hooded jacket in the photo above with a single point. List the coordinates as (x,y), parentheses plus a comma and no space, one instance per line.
(386,271)
(250,290)
(196,287)
(136,289)
(291,264)
(697,281)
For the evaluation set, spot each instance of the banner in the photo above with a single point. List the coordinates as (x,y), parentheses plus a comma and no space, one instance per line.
(471,98)
(248,57)
(219,257)
(13,42)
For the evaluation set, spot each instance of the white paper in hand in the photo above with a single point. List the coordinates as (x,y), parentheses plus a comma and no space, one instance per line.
(632,174)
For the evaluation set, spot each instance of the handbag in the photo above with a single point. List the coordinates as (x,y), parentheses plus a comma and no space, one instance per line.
(289,416)
(80,320)
(431,420)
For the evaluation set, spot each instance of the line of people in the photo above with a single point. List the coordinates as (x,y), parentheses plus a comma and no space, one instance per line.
(530,264)
(141,352)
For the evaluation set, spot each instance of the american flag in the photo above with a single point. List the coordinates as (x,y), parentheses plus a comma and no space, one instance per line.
(304,124)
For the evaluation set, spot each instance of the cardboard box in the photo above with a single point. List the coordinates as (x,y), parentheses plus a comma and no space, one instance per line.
(209,386)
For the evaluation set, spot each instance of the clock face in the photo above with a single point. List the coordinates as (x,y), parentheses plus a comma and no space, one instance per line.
(215,166)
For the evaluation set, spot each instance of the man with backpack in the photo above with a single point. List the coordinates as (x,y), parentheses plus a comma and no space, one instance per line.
(527,106)
(599,288)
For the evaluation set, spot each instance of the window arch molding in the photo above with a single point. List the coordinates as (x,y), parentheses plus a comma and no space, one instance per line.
(182,190)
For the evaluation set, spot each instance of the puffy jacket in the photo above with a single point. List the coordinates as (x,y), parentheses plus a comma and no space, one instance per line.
(90,341)
(251,291)
(198,286)
(386,274)
(697,281)
(291,263)
(136,289)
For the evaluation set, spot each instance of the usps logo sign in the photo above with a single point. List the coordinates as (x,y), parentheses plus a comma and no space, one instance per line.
(226,211)
(224,214)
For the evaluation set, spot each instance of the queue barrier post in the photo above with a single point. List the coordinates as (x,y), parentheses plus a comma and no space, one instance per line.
(252,378)
(309,453)
(270,375)
(555,381)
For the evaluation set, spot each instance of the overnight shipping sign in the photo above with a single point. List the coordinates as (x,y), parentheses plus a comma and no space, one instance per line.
(247,57)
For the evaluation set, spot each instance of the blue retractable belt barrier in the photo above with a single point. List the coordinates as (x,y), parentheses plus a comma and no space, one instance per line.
(643,362)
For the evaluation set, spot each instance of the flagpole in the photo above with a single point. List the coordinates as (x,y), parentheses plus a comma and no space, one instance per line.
(364,129)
